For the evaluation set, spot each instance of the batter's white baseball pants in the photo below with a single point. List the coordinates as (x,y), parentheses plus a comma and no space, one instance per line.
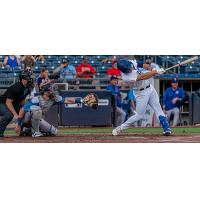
(145,97)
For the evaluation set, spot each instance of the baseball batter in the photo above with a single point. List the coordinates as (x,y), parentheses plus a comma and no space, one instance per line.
(145,94)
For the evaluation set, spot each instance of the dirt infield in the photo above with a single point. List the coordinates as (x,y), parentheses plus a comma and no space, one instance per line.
(105,138)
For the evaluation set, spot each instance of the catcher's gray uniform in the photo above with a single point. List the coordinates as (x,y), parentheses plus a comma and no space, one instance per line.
(35,113)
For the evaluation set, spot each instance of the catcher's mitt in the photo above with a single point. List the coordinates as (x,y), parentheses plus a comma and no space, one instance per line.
(91,100)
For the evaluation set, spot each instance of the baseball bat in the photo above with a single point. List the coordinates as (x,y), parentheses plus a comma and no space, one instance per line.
(183,63)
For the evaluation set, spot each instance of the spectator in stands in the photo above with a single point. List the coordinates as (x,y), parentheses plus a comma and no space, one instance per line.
(12,61)
(114,88)
(149,61)
(172,99)
(66,70)
(39,58)
(28,62)
(85,70)
(43,78)
(116,58)
(114,70)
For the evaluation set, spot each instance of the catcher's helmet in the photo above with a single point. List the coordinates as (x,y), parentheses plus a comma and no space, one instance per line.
(46,87)
(51,89)
(125,66)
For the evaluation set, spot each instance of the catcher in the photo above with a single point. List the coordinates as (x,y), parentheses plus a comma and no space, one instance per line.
(31,116)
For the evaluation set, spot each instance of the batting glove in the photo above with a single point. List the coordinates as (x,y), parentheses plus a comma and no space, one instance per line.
(160,71)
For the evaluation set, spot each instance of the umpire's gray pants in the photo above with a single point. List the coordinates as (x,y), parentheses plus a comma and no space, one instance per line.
(120,116)
(176,113)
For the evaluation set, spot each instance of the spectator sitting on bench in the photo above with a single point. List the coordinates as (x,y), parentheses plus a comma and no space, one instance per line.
(85,70)
(43,78)
(12,61)
(28,61)
(66,70)
(114,71)
(172,99)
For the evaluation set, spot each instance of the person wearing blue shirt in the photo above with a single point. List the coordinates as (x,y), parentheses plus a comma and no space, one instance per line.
(12,61)
(131,103)
(114,88)
(172,100)
(66,70)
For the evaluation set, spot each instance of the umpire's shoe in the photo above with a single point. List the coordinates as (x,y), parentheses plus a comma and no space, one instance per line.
(167,132)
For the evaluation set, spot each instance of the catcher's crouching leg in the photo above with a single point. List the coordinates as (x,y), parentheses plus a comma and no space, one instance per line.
(35,121)
(48,129)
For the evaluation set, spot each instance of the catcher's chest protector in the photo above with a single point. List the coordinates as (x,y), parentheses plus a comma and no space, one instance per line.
(45,105)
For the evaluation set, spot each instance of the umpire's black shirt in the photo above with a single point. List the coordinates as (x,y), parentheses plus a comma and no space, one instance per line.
(17,92)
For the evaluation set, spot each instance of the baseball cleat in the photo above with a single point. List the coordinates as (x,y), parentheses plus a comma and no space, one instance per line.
(167,132)
(37,134)
(25,133)
(117,131)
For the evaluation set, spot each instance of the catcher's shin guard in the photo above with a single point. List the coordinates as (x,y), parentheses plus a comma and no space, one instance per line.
(47,128)
(36,117)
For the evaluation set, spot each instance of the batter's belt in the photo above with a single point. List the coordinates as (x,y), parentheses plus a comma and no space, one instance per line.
(141,89)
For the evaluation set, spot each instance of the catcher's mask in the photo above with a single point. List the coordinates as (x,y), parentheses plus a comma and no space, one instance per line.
(26,75)
(51,88)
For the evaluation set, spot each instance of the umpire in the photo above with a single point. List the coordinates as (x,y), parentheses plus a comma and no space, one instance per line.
(12,100)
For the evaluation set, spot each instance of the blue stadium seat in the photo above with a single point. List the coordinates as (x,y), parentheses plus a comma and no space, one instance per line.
(192,70)
(3,75)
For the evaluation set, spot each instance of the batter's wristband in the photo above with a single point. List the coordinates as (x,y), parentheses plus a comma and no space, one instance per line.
(19,121)
(78,100)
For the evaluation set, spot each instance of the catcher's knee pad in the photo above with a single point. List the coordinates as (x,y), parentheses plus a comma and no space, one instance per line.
(53,130)
(36,112)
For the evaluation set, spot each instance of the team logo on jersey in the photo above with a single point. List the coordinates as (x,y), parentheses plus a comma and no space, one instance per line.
(177,92)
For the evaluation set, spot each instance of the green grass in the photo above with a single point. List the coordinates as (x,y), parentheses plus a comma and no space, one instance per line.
(180,130)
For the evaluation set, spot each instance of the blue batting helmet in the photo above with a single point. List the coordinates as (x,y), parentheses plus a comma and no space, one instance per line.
(124,66)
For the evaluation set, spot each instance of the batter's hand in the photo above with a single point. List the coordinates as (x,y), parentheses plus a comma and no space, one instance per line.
(160,71)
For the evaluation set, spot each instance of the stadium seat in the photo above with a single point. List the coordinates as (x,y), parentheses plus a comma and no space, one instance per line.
(192,70)
(3,75)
